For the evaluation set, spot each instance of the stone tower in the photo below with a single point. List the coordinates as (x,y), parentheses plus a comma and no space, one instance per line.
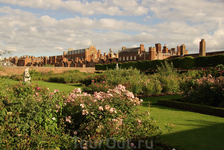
(202,48)
(158,48)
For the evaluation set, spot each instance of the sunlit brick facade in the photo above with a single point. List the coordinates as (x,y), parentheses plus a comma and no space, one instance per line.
(88,57)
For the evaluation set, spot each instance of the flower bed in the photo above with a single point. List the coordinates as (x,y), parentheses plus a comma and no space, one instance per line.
(32,116)
(207,91)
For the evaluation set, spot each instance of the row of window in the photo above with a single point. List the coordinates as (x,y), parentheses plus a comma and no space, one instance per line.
(127,58)
(76,51)
(69,58)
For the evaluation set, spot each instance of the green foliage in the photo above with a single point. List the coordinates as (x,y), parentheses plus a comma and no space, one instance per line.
(168,77)
(220,66)
(74,71)
(209,61)
(187,62)
(215,72)
(29,120)
(16,77)
(98,67)
(192,107)
(111,66)
(207,91)
(48,65)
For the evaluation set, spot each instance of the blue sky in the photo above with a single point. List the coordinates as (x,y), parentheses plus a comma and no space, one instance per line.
(49,27)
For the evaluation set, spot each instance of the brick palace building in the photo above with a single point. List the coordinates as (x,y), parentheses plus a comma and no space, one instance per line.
(88,57)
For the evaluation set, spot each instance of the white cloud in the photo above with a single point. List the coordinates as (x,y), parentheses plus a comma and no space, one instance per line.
(190,10)
(59,48)
(173,23)
(108,7)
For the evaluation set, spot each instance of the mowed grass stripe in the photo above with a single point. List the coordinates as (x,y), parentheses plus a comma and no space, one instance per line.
(192,130)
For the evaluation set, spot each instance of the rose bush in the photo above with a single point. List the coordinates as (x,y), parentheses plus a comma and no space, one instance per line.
(103,115)
(29,120)
(207,90)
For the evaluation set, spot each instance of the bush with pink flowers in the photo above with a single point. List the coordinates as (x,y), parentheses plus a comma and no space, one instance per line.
(29,118)
(103,115)
(206,90)
(214,71)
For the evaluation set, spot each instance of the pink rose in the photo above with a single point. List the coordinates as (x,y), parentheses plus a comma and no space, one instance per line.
(111,110)
(100,108)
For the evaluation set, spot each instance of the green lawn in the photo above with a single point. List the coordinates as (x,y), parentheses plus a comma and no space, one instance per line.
(193,131)
(52,85)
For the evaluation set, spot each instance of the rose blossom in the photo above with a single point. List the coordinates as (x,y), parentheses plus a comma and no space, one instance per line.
(85,112)
(111,110)
(82,105)
(107,107)
(100,108)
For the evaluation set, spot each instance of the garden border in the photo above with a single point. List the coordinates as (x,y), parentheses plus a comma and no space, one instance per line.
(215,111)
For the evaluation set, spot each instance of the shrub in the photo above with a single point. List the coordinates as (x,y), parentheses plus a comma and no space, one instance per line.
(110,114)
(187,62)
(207,91)
(168,77)
(220,66)
(29,120)
(213,71)
(48,65)
(17,77)
(192,107)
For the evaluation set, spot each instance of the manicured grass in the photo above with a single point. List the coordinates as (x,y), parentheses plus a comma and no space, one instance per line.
(52,85)
(191,131)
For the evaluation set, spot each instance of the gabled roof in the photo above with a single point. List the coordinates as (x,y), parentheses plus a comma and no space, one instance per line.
(129,49)
(102,60)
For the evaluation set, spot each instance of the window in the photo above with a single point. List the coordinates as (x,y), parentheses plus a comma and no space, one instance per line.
(134,57)
(127,58)
(123,58)
(119,58)
(130,57)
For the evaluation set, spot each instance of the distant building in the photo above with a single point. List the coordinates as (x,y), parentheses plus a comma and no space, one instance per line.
(86,54)
(88,57)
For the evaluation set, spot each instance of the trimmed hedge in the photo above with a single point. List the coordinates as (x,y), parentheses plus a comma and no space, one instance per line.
(215,111)
(187,62)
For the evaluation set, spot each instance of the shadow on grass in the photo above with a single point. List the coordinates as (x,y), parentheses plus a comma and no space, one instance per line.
(207,137)
(75,84)
(153,100)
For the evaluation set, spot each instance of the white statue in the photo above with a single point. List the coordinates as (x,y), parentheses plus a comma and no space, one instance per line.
(26,77)
(117,67)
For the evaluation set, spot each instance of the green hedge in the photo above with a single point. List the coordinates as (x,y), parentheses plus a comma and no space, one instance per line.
(216,111)
(187,62)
